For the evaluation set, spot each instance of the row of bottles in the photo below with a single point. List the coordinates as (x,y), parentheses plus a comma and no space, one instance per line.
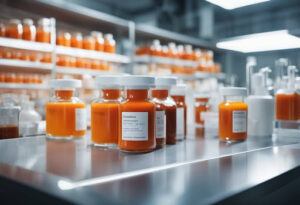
(203,59)
(10,77)
(26,30)
(95,41)
(124,117)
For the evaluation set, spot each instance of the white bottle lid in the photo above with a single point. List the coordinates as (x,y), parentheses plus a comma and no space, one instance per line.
(233,91)
(138,82)
(179,89)
(97,34)
(28,21)
(44,22)
(14,21)
(65,83)
(165,81)
(108,81)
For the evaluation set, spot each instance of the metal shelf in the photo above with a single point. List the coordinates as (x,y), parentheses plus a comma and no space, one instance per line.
(25,45)
(26,65)
(23,86)
(82,53)
(164,61)
(79,71)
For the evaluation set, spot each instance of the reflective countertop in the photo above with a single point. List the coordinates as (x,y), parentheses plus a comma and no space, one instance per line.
(192,171)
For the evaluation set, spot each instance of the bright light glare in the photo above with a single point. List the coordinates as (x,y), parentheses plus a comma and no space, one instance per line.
(268,41)
(233,4)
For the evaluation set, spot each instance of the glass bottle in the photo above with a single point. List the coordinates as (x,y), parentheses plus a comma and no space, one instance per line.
(14,29)
(29,30)
(109,43)
(137,115)
(43,31)
(233,114)
(65,112)
(105,112)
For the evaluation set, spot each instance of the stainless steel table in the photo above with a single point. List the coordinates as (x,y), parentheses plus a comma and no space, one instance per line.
(194,171)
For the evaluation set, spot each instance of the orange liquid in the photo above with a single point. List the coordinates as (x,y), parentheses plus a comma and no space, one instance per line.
(109,48)
(285,107)
(203,107)
(180,102)
(137,102)
(226,120)
(2,30)
(60,116)
(99,46)
(63,40)
(8,132)
(88,44)
(42,36)
(76,42)
(170,112)
(28,33)
(13,31)
(104,119)
(298,105)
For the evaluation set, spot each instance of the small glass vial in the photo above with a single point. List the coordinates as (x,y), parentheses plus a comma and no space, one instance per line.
(65,112)
(165,111)
(137,115)
(233,114)
(76,40)
(88,43)
(9,118)
(43,31)
(14,29)
(109,43)
(63,39)
(105,112)
(201,105)
(99,40)
(29,31)
(178,94)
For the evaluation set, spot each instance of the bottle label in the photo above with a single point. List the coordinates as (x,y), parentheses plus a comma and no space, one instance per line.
(135,126)
(160,124)
(239,121)
(80,119)
(179,123)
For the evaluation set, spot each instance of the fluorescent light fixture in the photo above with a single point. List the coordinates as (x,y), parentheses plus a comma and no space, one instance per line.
(233,4)
(268,41)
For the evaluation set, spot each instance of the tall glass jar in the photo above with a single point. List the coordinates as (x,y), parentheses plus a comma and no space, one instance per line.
(137,115)
(109,43)
(65,112)
(29,30)
(178,94)
(14,29)
(105,112)
(165,111)
(43,31)
(233,114)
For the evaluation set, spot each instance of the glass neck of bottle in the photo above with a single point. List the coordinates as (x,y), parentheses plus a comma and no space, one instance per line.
(111,94)
(64,94)
(137,94)
(160,93)
(233,99)
(179,98)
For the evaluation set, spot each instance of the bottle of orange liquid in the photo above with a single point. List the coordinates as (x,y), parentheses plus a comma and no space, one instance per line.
(29,30)
(88,43)
(99,40)
(109,43)
(165,111)
(2,29)
(65,112)
(76,40)
(14,29)
(233,114)
(178,94)
(285,98)
(298,98)
(63,39)
(137,115)
(43,31)
(105,112)
(201,105)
